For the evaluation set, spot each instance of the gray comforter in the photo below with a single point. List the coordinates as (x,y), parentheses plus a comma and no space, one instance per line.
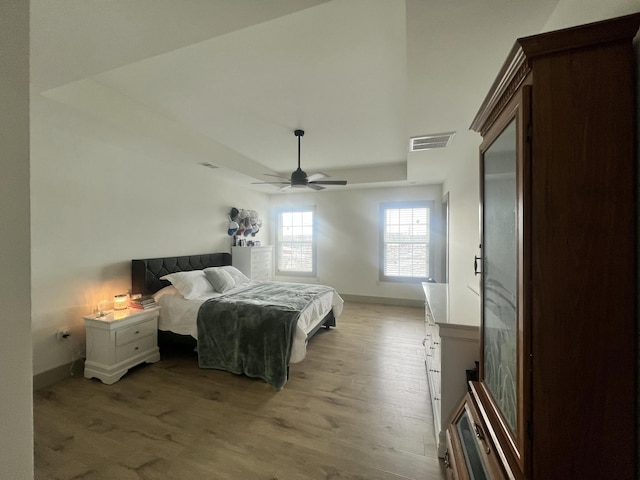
(250,331)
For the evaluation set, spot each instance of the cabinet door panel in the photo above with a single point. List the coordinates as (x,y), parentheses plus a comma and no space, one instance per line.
(472,452)
(504,165)
(499,270)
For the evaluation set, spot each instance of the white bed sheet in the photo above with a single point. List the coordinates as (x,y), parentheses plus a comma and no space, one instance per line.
(179,315)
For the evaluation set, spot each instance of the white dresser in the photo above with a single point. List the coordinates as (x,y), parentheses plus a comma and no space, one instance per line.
(255,262)
(450,350)
(119,341)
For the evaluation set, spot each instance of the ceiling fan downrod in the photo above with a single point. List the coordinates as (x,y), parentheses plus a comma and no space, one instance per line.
(298,133)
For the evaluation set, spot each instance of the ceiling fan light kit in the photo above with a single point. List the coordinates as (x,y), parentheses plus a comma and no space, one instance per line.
(300,179)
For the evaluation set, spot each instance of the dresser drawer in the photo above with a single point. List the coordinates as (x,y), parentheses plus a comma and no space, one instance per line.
(260,255)
(261,276)
(129,334)
(255,262)
(261,267)
(262,260)
(139,345)
(261,264)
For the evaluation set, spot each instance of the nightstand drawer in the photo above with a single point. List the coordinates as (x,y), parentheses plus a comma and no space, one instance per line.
(129,334)
(132,349)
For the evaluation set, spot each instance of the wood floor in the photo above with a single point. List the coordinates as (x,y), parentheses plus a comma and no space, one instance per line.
(356,408)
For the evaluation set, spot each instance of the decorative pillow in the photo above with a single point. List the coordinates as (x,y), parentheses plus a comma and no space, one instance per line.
(191,284)
(220,279)
(239,277)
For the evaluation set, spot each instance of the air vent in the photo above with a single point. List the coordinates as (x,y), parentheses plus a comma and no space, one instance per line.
(208,165)
(426,142)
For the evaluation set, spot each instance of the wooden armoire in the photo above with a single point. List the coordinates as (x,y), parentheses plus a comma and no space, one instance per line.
(556,396)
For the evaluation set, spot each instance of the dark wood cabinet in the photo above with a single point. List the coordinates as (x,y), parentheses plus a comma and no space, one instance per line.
(556,395)
(471,454)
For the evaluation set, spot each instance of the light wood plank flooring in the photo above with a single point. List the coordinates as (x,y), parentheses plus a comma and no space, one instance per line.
(356,408)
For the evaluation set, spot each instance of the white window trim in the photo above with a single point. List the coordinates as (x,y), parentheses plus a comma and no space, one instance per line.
(314,242)
(429,204)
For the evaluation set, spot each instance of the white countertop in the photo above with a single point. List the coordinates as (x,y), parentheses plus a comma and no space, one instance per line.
(437,297)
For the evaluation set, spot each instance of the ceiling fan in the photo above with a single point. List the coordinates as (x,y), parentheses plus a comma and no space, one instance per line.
(300,179)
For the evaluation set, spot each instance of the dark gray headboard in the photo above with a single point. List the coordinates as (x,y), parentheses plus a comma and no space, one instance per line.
(146,273)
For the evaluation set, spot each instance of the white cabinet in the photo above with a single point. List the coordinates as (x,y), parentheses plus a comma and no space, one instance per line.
(255,262)
(120,340)
(450,350)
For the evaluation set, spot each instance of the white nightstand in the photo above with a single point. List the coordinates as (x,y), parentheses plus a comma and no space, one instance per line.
(120,340)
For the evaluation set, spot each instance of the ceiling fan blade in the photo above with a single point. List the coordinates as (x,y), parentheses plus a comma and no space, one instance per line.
(276,176)
(285,188)
(317,176)
(330,182)
(270,183)
(315,186)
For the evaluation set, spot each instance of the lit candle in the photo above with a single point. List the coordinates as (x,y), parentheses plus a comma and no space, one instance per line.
(120,302)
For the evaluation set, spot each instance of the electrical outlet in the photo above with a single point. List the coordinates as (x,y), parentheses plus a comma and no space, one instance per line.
(63,333)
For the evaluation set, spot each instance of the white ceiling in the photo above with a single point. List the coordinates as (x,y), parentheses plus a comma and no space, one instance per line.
(227,81)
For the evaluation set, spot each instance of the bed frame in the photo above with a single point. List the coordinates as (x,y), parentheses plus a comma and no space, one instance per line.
(146,273)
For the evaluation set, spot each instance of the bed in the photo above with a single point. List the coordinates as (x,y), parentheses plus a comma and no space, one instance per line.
(223,323)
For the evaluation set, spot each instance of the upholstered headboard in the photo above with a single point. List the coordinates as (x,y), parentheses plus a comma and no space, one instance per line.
(146,273)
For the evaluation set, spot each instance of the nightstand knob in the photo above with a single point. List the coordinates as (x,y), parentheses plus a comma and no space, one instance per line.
(136,348)
(137,332)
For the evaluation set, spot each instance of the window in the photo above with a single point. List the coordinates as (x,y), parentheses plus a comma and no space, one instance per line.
(295,242)
(405,241)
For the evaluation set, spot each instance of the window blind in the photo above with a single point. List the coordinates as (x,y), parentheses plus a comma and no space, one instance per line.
(406,240)
(295,245)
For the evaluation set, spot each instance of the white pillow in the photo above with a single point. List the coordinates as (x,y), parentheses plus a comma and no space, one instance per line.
(239,277)
(191,284)
(170,290)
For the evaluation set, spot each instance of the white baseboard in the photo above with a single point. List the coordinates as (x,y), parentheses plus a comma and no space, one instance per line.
(405,302)
(55,375)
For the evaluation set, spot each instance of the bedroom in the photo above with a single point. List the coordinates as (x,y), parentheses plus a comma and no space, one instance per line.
(95,204)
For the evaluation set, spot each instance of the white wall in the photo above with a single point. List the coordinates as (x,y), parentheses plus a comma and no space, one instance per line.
(464,237)
(570,13)
(16,418)
(348,237)
(95,206)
